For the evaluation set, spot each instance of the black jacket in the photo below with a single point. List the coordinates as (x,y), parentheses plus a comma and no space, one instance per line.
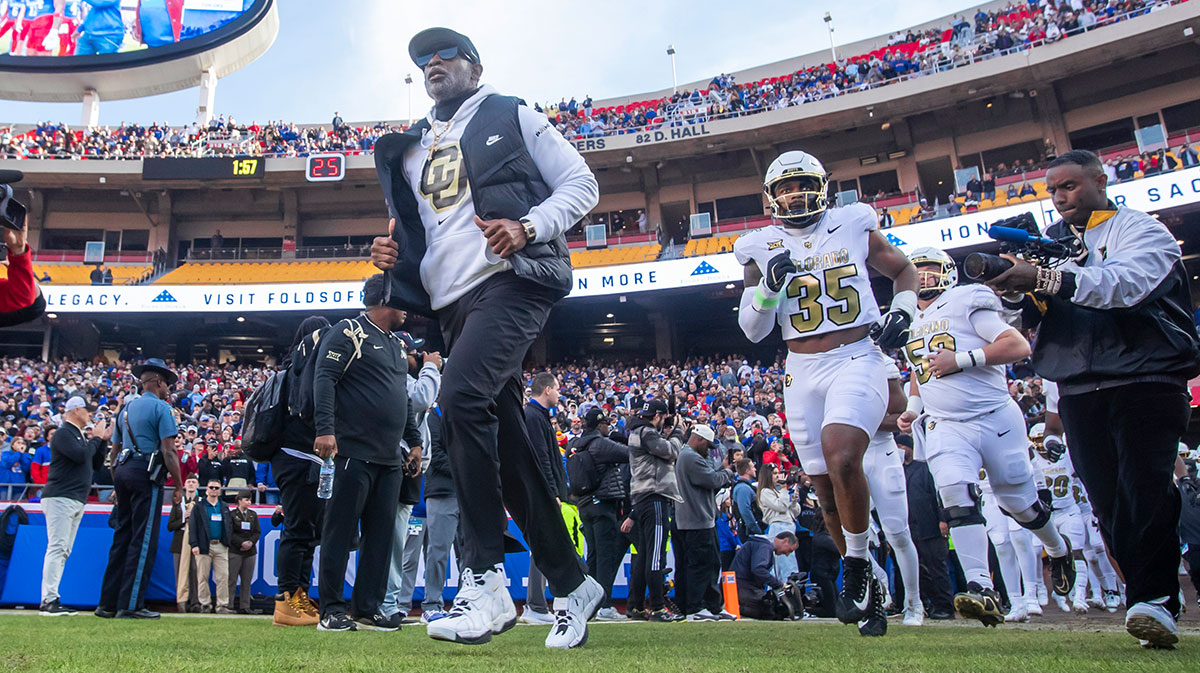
(439,481)
(545,448)
(360,392)
(198,536)
(241,533)
(175,524)
(72,461)
(612,460)
(924,512)
(210,468)
(236,466)
(504,183)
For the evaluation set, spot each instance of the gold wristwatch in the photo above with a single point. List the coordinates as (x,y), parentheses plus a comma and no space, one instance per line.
(530,232)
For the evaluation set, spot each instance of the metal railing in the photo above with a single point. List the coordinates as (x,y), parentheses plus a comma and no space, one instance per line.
(15,494)
(254,253)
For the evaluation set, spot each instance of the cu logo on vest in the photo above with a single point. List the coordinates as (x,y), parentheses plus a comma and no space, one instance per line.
(444,182)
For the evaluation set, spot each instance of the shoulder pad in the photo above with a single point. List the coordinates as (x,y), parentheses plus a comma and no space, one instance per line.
(982,297)
(756,246)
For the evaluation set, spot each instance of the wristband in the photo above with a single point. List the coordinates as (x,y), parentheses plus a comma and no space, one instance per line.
(905,302)
(764,300)
(968,359)
(915,405)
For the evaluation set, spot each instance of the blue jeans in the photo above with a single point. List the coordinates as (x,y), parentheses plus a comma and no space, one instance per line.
(98,44)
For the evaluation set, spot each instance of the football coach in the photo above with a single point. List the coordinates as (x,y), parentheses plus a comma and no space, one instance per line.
(1116,333)
(480,193)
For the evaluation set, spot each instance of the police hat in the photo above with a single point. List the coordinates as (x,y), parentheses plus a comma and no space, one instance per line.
(159,367)
(432,39)
(652,408)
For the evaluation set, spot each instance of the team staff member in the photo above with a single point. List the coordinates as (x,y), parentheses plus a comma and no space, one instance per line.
(1116,334)
(72,460)
(363,413)
(602,510)
(543,389)
(696,544)
(297,471)
(143,444)
(480,194)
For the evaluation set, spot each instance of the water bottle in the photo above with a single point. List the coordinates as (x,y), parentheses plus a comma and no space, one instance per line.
(325,484)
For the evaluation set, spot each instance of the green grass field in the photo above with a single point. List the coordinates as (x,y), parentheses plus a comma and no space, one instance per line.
(83,643)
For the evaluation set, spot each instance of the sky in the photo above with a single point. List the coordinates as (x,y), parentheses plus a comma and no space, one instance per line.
(353,59)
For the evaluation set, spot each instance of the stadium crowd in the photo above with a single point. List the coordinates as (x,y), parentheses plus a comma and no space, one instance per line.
(967,40)
(735,401)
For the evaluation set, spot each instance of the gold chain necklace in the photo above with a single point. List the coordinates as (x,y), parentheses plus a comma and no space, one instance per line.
(438,136)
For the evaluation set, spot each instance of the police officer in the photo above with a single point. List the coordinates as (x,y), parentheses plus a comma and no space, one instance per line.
(142,456)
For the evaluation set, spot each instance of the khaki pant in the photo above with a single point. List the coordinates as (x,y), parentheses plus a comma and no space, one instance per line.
(62,522)
(185,575)
(216,560)
(241,567)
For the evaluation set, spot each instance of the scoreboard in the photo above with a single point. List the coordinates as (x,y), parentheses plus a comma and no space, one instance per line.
(208,168)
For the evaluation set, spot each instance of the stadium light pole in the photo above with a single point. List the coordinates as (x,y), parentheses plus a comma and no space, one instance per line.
(829,25)
(674,77)
(408,81)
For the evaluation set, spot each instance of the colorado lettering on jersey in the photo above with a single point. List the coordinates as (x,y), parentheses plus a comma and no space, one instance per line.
(826,260)
(928,328)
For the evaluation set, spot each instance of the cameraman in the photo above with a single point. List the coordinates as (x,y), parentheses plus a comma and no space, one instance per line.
(1116,333)
(20,298)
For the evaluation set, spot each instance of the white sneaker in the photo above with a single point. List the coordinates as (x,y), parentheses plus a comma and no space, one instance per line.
(1062,603)
(610,614)
(1112,600)
(914,614)
(482,608)
(572,613)
(529,616)
(704,615)
(726,616)
(431,616)
(1032,607)
(1018,613)
(1151,624)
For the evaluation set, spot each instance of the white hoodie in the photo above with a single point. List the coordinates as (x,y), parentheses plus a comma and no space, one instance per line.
(457,256)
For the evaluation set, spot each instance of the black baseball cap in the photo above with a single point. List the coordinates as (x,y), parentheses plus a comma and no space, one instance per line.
(652,408)
(432,39)
(594,417)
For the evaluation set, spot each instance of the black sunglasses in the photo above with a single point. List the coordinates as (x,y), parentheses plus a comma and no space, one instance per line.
(445,54)
(214,488)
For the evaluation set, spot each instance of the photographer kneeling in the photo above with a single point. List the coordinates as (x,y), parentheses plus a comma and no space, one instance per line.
(1116,333)
(753,565)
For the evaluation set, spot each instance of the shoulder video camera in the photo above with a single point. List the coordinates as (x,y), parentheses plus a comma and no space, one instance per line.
(12,211)
(1021,236)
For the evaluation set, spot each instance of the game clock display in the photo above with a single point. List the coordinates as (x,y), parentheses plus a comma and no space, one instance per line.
(325,167)
(211,168)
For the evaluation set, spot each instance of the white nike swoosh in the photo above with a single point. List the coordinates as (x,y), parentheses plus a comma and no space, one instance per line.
(377,347)
(493,140)
(865,601)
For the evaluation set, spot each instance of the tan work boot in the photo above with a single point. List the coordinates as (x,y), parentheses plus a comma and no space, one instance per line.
(307,605)
(289,613)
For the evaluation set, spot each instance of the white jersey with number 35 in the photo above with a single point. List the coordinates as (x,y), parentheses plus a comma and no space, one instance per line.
(963,318)
(831,289)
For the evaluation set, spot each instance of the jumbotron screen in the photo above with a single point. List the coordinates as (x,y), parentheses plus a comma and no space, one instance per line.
(94,28)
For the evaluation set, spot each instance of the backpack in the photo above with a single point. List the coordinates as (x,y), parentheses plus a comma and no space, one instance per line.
(303,368)
(755,511)
(583,475)
(262,427)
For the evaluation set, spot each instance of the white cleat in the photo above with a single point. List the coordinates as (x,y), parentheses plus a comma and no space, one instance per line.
(1112,600)
(482,608)
(1032,607)
(1062,603)
(571,615)
(1043,598)
(1018,613)
(914,614)
(1080,606)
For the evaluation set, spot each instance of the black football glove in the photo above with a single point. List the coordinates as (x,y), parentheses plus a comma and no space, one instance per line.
(778,269)
(1054,449)
(891,331)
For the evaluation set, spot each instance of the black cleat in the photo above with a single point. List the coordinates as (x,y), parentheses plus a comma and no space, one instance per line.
(1062,572)
(979,603)
(875,624)
(854,602)
(665,615)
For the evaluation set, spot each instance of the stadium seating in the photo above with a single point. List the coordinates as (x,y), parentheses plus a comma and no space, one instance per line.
(196,273)
(609,256)
(80,274)
(709,246)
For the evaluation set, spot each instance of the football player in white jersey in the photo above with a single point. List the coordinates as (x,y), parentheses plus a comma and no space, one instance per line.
(1059,474)
(883,465)
(1100,569)
(809,273)
(1000,534)
(958,346)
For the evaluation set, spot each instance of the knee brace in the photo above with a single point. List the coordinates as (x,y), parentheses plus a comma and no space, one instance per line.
(961,503)
(1034,517)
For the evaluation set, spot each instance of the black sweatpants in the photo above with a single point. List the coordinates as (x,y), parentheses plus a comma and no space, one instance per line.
(697,557)
(825,567)
(1193,559)
(367,495)
(302,513)
(488,331)
(606,543)
(1124,442)
(651,522)
(932,554)
(137,517)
